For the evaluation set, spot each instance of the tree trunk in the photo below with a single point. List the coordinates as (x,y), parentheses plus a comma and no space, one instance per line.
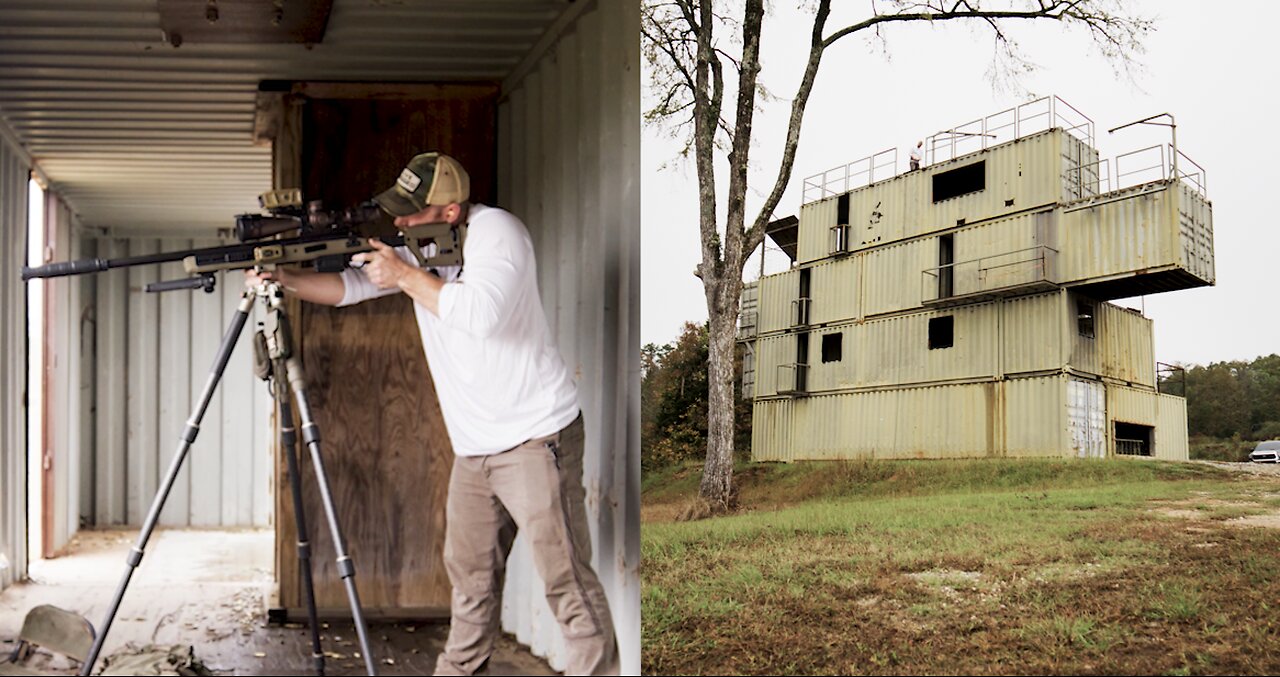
(717,475)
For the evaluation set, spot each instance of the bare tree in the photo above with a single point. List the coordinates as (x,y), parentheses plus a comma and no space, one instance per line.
(693,45)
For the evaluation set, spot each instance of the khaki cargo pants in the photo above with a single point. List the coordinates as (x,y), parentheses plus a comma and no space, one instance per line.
(536,488)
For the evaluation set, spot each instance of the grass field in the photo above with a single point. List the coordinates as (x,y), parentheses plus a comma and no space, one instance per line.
(991,566)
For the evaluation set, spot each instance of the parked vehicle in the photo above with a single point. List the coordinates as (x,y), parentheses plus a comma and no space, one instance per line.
(1266,452)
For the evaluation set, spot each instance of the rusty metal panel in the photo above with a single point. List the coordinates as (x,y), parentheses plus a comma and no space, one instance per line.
(1171,428)
(1131,405)
(776,295)
(835,288)
(1087,418)
(1195,225)
(771,427)
(1017,417)
(1032,330)
(1035,415)
(1126,348)
(944,421)
(1126,231)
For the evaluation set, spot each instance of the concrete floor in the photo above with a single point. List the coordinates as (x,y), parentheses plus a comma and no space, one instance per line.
(209,589)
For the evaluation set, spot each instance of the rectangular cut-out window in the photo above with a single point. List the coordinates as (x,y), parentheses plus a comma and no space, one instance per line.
(842,210)
(960,181)
(1084,318)
(832,347)
(941,332)
(1133,439)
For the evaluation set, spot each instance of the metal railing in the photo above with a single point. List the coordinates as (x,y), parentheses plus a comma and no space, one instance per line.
(838,239)
(1088,180)
(1132,447)
(1031,117)
(1006,271)
(862,172)
(800,312)
(1171,379)
(1156,164)
(792,378)
(1041,114)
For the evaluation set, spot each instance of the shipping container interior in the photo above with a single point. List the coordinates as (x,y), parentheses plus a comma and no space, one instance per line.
(150,141)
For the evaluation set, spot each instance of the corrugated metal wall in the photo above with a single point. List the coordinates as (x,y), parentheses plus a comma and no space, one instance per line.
(1138,228)
(1035,412)
(569,166)
(776,294)
(1017,417)
(1022,174)
(835,289)
(13,371)
(65,306)
(1171,428)
(1195,222)
(945,421)
(153,354)
(1166,413)
(1031,333)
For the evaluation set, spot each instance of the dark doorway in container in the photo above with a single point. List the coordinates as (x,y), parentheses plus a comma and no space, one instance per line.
(946,265)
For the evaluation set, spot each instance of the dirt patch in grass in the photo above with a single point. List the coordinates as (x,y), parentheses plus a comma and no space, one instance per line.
(1029,582)
(1193,614)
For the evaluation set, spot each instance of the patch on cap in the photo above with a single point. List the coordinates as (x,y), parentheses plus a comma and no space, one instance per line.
(408,181)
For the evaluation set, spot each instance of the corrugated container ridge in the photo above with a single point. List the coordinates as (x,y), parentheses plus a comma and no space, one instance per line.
(1031,333)
(775,297)
(14,175)
(1021,417)
(1033,171)
(569,162)
(835,288)
(1171,428)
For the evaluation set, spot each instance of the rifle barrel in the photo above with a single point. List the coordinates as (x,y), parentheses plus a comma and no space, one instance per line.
(241,252)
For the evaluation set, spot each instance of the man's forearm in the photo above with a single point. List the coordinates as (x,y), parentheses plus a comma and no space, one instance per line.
(308,285)
(424,287)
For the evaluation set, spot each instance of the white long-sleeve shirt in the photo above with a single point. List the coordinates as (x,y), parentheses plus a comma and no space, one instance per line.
(500,379)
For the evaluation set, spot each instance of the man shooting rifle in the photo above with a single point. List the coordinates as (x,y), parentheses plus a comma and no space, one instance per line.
(509,405)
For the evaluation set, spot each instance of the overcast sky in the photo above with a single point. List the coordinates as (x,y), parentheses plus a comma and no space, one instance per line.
(1214,71)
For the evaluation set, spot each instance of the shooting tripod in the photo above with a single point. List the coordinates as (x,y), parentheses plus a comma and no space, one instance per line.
(274,361)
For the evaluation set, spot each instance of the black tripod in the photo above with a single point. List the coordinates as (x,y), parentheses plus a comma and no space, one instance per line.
(275,361)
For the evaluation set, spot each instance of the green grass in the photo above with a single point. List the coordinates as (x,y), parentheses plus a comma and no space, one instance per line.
(961,566)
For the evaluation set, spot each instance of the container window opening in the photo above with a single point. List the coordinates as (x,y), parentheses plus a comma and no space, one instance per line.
(941,332)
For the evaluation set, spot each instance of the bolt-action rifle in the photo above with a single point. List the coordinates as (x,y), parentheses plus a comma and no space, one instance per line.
(323,239)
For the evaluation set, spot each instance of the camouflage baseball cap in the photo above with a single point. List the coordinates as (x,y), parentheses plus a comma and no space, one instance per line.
(429,179)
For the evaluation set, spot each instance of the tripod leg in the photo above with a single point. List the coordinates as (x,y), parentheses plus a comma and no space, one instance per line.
(290,438)
(134,557)
(311,436)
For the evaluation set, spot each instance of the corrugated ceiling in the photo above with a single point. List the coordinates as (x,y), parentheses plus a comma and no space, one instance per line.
(138,135)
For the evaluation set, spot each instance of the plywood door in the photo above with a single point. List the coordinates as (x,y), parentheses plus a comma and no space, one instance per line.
(386,449)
